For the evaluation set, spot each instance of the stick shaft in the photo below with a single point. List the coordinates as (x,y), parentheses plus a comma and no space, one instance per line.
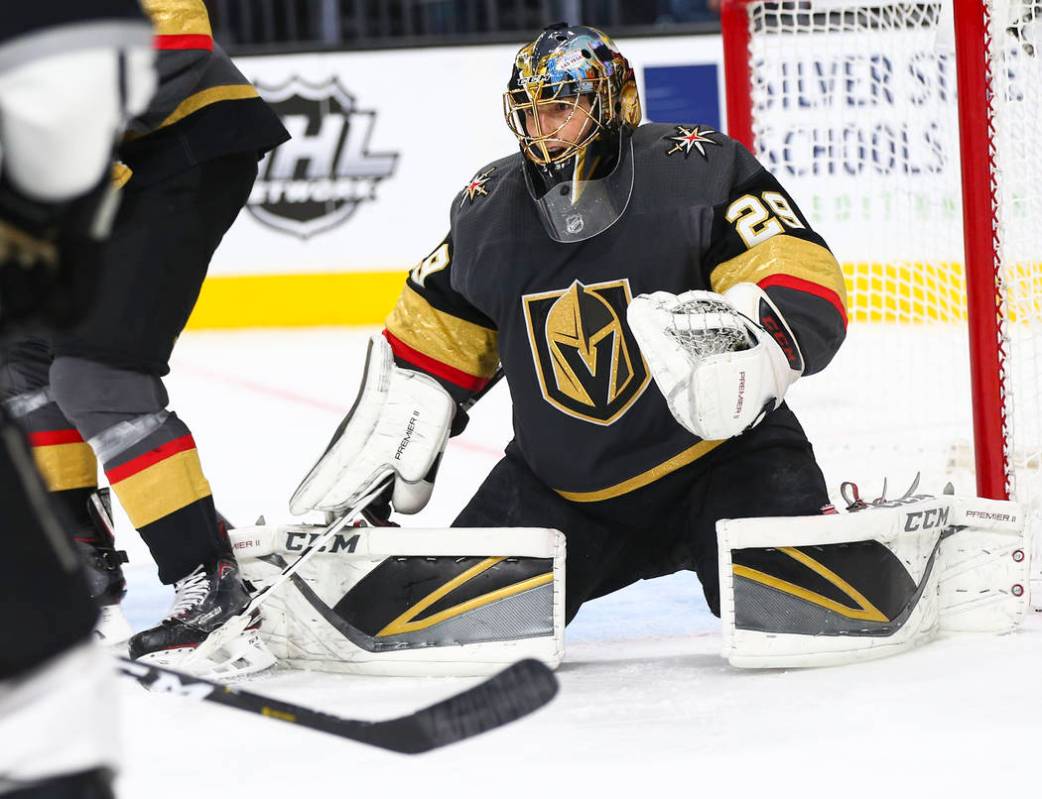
(513,693)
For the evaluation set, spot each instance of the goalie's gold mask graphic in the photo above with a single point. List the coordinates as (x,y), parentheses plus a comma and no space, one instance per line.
(587,361)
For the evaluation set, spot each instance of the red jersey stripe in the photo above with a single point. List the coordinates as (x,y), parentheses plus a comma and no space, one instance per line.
(806,286)
(150,458)
(186,41)
(47,438)
(465,381)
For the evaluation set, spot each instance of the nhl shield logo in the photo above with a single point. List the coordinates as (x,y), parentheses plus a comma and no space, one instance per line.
(321,176)
(588,363)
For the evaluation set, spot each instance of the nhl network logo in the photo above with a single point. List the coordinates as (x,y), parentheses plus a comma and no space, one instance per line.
(317,179)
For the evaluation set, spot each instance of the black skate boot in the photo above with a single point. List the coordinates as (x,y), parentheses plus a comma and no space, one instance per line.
(104,566)
(203,601)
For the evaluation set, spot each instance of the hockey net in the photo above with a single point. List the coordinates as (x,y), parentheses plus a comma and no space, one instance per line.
(855,106)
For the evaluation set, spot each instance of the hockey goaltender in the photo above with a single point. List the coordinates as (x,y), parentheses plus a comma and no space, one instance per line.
(602,257)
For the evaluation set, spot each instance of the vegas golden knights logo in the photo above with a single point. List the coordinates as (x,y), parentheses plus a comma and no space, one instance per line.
(588,362)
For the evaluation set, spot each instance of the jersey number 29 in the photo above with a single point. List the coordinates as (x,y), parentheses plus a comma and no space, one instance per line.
(753,220)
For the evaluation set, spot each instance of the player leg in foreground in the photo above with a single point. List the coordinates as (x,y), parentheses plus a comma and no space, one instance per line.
(58,707)
(68,78)
(97,392)
(70,471)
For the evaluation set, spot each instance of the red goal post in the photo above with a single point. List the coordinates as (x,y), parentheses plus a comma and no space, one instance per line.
(982,54)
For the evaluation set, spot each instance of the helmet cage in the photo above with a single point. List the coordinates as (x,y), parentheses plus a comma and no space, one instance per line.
(522,108)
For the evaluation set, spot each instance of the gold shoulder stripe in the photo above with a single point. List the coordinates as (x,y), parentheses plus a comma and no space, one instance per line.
(865,610)
(782,255)
(446,338)
(199,100)
(689,455)
(178,17)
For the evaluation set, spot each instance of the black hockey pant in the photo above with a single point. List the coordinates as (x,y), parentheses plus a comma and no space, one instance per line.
(667,526)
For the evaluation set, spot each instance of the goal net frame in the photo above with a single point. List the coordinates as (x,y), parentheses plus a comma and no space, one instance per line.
(992,455)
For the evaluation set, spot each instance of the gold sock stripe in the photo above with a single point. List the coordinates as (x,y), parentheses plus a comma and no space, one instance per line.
(67,466)
(163,488)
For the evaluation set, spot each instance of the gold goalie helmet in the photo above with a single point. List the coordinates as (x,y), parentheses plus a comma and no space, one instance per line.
(572,104)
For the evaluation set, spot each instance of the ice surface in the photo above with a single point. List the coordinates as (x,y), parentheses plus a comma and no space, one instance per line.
(646,703)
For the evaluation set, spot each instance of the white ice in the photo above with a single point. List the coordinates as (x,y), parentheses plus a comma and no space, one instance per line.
(646,703)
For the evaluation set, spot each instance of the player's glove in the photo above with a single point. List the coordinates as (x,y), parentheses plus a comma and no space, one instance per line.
(721,361)
(50,253)
(398,427)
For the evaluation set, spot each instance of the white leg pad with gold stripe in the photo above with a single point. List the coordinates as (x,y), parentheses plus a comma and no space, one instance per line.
(834,589)
(392,601)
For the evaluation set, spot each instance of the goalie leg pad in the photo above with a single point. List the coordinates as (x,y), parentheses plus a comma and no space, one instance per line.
(824,590)
(985,567)
(827,590)
(388,601)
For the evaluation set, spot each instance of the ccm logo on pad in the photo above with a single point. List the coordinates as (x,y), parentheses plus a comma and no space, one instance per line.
(926,519)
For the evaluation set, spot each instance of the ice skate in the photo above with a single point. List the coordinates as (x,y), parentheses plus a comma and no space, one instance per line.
(104,567)
(203,601)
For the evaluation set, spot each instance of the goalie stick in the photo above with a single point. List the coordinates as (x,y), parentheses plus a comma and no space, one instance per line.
(509,695)
(237,624)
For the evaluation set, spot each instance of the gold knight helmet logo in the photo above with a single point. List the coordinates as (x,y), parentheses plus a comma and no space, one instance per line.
(587,361)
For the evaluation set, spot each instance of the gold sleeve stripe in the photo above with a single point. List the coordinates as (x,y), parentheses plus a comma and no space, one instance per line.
(162,488)
(788,256)
(217,94)
(66,466)
(689,455)
(445,338)
(178,17)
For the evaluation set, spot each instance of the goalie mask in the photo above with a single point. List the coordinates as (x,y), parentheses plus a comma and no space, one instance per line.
(572,103)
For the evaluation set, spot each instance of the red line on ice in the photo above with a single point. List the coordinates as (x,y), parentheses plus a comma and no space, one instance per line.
(303,399)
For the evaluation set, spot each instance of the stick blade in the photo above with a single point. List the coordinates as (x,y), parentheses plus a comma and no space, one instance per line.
(512,694)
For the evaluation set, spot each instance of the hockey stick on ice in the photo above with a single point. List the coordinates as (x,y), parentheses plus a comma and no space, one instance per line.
(509,695)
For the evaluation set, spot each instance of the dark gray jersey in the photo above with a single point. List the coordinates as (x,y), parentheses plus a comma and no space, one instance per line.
(703,214)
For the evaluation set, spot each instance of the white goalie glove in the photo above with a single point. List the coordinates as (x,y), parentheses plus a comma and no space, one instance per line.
(722,361)
(397,428)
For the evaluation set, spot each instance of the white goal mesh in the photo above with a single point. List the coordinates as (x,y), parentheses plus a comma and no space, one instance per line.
(1015,58)
(854,108)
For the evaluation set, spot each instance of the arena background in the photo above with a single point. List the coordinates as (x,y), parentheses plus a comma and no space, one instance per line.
(395,105)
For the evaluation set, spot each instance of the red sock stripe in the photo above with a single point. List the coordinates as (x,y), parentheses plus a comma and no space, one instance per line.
(47,438)
(150,458)
(466,381)
(806,286)
(188,41)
